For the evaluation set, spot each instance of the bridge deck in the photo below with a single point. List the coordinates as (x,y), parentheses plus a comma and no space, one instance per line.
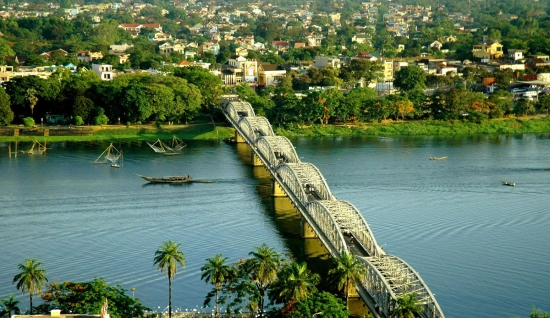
(338,224)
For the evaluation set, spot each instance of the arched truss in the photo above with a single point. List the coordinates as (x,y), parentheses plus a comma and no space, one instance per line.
(351,221)
(255,127)
(389,277)
(277,149)
(328,224)
(302,178)
(236,110)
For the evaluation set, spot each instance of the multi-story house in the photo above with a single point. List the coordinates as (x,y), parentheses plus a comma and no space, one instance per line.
(488,51)
(159,37)
(209,47)
(270,74)
(325,61)
(239,69)
(105,71)
(135,28)
(88,56)
(167,48)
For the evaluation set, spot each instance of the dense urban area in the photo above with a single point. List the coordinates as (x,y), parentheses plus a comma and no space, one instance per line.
(296,62)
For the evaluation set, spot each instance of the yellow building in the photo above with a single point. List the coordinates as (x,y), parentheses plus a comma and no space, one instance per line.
(488,51)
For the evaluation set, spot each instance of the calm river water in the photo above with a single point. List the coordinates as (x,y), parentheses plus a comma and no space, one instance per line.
(481,247)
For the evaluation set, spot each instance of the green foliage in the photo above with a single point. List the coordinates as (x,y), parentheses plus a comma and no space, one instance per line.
(6,114)
(294,282)
(10,305)
(407,306)
(346,270)
(216,272)
(101,118)
(323,304)
(31,278)
(78,121)
(167,258)
(410,78)
(28,122)
(88,298)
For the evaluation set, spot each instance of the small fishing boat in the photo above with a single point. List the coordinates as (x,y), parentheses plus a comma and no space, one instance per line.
(169,179)
(438,158)
(510,184)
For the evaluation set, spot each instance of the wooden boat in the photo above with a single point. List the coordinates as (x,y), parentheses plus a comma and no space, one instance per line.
(169,179)
(510,184)
(36,149)
(174,148)
(438,158)
(110,155)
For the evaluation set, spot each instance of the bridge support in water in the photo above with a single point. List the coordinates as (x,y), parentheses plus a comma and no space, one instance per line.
(307,231)
(256,162)
(238,137)
(277,190)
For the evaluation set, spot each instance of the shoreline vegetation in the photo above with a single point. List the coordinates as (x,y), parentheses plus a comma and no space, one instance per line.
(221,131)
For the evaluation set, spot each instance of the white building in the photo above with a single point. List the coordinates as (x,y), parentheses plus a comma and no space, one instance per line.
(105,71)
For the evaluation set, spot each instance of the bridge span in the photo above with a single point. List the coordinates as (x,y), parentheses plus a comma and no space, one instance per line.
(332,221)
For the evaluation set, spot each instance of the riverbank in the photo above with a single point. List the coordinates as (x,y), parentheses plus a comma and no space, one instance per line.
(122,133)
(508,126)
(221,131)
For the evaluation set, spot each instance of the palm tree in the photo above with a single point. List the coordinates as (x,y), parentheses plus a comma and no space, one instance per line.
(294,283)
(10,305)
(216,272)
(31,278)
(347,270)
(167,257)
(264,266)
(407,307)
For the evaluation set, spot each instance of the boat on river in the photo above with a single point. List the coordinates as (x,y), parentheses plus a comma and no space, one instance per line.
(438,158)
(510,184)
(169,179)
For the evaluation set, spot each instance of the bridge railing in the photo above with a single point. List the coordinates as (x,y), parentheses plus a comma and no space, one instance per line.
(388,277)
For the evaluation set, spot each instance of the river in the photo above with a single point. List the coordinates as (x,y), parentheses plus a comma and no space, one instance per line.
(481,247)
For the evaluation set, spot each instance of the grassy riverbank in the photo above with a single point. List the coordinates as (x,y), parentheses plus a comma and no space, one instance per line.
(510,126)
(142,132)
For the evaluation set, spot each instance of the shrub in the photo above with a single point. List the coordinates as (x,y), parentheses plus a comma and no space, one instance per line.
(101,118)
(78,120)
(28,121)
(127,124)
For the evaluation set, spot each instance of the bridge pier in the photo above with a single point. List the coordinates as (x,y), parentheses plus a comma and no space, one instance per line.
(238,138)
(277,190)
(256,162)
(307,231)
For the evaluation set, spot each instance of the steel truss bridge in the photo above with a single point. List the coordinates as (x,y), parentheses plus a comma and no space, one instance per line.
(335,222)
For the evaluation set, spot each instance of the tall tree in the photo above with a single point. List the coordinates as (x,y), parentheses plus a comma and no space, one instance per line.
(347,269)
(407,307)
(216,272)
(262,269)
(294,283)
(167,258)
(409,78)
(31,278)
(10,305)
(6,114)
